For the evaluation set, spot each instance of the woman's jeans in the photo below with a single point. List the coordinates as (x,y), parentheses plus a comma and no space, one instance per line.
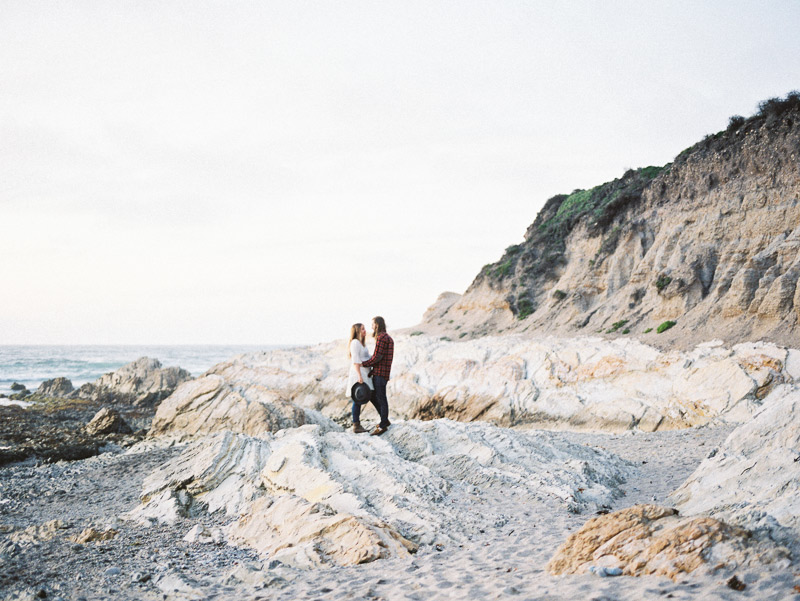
(378,399)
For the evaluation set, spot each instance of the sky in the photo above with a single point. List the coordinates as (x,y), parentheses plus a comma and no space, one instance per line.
(272,172)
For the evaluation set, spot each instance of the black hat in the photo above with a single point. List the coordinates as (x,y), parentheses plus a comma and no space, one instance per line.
(360,393)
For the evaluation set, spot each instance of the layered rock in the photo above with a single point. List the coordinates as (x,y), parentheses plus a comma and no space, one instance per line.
(711,241)
(313,496)
(57,387)
(210,404)
(107,421)
(753,479)
(141,382)
(509,380)
(648,539)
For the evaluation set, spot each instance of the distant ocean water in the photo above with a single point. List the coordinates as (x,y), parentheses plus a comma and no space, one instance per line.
(33,364)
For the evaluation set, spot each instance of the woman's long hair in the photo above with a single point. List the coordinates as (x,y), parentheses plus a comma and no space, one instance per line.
(358,331)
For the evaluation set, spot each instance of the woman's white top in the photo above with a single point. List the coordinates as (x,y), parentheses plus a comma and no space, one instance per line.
(358,354)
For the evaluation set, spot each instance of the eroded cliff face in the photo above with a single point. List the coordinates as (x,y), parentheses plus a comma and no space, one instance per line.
(711,241)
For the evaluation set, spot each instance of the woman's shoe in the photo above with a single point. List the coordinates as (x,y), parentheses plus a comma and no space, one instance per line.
(358,429)
(377,431)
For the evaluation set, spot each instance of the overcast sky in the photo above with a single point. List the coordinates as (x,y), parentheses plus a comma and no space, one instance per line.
(270,172)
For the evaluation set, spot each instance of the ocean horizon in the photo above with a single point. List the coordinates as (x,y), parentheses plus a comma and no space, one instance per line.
(33,364)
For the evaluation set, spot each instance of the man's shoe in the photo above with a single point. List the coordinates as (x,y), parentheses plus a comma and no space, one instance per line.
(377,431)
(358,429)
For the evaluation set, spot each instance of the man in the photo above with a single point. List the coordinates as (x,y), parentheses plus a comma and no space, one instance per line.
(381,364)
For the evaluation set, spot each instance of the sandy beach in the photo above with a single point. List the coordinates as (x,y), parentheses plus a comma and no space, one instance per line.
(506,558)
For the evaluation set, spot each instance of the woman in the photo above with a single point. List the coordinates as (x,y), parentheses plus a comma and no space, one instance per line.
(358,353)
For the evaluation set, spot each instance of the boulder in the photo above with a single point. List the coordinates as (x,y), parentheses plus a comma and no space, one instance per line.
(648,539)
(107,421)
(57,387)
(142,382)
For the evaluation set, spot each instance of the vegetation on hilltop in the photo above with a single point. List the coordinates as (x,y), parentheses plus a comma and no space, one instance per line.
(525,269)
(770,112)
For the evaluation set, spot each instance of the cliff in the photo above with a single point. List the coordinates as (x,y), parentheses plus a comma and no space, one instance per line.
(710,241)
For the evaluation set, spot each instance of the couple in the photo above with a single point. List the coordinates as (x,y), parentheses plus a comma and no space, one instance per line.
(377,377)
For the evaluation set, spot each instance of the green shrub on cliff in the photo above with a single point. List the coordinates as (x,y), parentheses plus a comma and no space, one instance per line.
(665,326)
(616,326)
(503,269)
(524,308)
(662,282)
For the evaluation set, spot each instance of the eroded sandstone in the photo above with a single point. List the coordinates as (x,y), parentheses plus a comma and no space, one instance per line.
(313,496)
(649,539)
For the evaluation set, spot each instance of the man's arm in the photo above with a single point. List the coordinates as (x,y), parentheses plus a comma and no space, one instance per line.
(380,351)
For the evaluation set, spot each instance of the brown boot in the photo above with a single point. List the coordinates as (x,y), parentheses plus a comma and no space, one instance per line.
(358,429)
(378,431)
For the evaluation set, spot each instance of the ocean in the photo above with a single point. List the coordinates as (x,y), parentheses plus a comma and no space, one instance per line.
(33,364)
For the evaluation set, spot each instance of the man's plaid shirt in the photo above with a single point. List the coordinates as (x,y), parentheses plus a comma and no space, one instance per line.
(381,360)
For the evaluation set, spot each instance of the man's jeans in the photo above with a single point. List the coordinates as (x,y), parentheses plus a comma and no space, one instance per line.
(380,401)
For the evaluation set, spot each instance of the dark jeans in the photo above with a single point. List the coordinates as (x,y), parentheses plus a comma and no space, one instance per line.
(380,401)
(357,407)
(357,411)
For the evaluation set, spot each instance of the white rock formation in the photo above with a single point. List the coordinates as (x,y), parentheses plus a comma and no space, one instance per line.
(210,404)
(508,380)
(312,496)
(753,479)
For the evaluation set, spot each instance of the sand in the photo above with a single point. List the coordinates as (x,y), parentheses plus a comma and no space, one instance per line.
(505,561)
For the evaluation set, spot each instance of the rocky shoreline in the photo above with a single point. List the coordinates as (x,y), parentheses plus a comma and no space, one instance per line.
(52,426)
(243,483)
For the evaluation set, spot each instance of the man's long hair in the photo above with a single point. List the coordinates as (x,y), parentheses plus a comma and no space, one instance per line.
(381,323)
(357,330)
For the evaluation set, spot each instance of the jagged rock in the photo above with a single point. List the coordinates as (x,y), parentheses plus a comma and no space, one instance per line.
(17,387)
(292,530)
(585,383)
(648,539)
(57,387)
(107,421)
(311,496)
(209,404)
(753,479)
(142,382)
(90,534)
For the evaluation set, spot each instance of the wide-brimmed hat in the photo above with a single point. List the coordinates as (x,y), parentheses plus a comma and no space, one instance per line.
(360,393)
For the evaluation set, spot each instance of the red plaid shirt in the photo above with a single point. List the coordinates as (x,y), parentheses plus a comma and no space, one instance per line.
(381,360)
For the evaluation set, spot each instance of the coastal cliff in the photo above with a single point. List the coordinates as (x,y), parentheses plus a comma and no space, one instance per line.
(710,242)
